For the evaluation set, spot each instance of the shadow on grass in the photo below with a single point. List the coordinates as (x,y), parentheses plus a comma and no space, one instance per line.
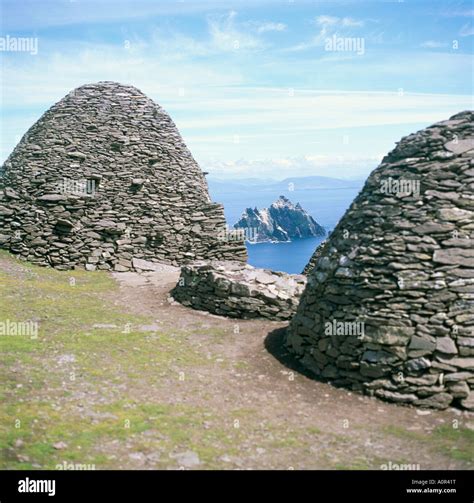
(275,345)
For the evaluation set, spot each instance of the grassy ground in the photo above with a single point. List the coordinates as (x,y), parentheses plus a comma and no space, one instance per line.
(118,378)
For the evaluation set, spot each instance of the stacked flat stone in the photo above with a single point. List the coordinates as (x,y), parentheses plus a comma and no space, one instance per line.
(233,289)
(389,304)
(141,194)
(314,258)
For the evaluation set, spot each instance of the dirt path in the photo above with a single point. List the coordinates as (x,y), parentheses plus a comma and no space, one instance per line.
(325,427)
(122,378)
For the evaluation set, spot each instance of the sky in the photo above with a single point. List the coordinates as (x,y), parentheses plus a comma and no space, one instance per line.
(262,88)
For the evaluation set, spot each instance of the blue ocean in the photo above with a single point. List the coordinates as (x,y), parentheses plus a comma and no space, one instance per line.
(326,205)
(288,257)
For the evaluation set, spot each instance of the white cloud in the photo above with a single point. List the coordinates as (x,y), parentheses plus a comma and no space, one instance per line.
(338,21)
(273,112)
(214,100)
(328,26)
(347,21)
(466,30)
(177,46)
(314,42)
(432,44)
(349,167)
(35,15)
(327,20)
(212,103)
(227,36)
(268,123)
(265,27)
(458,13)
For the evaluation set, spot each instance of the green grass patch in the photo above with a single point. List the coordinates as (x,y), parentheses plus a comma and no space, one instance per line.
(456,443)
(67,305)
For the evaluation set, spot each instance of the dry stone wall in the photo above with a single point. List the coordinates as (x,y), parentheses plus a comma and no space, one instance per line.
(314,258)
(239,291)
(104,177)
(389,304)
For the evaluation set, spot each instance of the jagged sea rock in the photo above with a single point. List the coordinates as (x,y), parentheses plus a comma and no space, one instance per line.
(282,221)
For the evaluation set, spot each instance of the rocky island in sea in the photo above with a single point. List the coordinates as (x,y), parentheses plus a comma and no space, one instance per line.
(281,222)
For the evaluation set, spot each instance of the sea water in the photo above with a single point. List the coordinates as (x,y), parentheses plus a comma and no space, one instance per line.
(287,257)
(326,206)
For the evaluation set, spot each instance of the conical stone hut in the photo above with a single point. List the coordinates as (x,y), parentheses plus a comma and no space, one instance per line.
(389,304)
(104,180)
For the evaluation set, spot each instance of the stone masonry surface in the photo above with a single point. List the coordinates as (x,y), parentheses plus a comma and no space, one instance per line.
(104,177)
(389,304)
(239,291)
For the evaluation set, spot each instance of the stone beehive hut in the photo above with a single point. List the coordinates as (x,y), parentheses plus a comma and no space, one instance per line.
(104,178)
(389,304)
